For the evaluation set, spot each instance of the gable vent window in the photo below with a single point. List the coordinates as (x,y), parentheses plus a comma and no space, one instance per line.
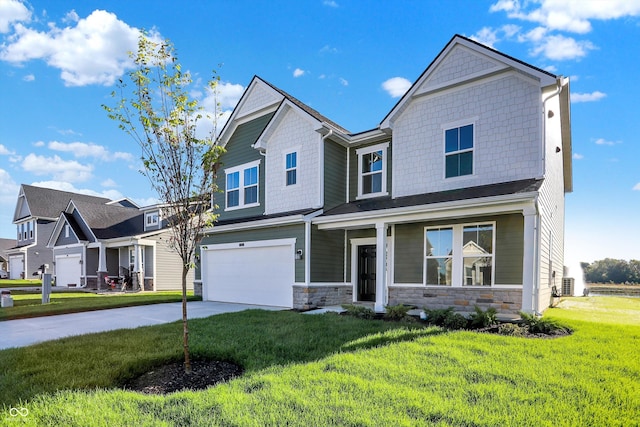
(152,219)
(291,167)
(458,148)
(242,186)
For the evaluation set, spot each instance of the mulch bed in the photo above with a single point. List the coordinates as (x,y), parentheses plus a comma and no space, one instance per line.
(171,377)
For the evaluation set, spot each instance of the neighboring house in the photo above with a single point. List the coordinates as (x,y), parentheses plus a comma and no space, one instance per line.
(37,210)
(117,240)
(5,244)
(455,199)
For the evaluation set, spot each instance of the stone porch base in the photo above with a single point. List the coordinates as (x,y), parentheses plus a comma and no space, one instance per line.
(308,297)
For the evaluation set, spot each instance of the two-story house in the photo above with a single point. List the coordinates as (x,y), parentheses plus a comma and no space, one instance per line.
(37,210)
(455,199)
(118,241)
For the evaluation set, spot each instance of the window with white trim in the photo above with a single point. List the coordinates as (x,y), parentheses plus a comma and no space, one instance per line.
(372,171)
(460,255)
(291,168)
(242,186)
(458,151)
(152,219)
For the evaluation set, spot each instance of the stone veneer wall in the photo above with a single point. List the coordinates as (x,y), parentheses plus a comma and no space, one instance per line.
(305,298)
(505,301)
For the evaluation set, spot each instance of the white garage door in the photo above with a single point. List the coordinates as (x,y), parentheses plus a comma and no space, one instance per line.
(250,273)
(16,267)
(68,270)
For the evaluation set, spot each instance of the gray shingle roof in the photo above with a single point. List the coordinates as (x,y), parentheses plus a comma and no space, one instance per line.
(48,203)
(110,221)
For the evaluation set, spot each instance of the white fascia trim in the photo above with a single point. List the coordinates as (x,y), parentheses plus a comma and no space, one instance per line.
(71,246)
(250,244)
(488,206)
(261,223)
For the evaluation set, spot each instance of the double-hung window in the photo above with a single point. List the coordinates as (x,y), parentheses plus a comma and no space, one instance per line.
(460,255)
(372,171)
(458,151)
(242,186)
(291,168)
(152,219)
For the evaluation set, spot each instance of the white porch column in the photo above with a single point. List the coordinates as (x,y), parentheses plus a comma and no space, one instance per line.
(530,261)
(137,265)
(102,258)
(381,267)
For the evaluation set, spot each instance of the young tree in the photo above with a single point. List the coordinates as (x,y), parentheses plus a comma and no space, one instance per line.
(157,111)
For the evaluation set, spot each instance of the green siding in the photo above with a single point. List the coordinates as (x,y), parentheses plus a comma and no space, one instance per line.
(409,251)
(335,167)
(356,234)
(239,151)
(271,233)
(327,260)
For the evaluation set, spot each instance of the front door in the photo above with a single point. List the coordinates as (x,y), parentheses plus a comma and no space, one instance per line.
(367,273)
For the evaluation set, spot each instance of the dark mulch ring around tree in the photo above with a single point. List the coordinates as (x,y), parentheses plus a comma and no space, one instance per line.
(171,377)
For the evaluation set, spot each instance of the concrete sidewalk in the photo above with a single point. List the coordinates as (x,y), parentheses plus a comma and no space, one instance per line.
(23,332)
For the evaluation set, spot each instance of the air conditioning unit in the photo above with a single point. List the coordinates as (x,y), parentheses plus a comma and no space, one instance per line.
(568,286)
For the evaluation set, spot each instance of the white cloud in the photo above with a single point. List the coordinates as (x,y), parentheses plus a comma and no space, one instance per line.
(29,78)
(330,3)
(637,187)
(587,97)
(567,15)
(57,168)
(39,144)
(4,151)
(577,156)
(109,183)
(218,104)
(562,48)
(343,81)
(12,11)
(328,49)
(82,149)
(8,189)
(602,141)
(94,51)
(490,36)
(298,72)
(396,86)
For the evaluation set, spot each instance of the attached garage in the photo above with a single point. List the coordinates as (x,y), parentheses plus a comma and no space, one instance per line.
(260,272)
(68,270)
(16,267)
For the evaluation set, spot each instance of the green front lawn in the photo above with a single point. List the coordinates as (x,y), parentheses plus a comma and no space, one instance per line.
(318,370)
(6,283)
(27,304)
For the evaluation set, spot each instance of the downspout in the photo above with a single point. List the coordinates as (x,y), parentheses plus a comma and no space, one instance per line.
(307,252)
(544,123)
(321,168)
(536,260)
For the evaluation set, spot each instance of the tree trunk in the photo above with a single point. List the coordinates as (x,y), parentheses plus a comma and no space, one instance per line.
(185,326)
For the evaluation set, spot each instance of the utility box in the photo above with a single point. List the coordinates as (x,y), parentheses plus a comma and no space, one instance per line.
(5,299)
(46,288)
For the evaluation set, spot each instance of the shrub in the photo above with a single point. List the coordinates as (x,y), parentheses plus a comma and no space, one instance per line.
(482,319)
(359,311)
(446,318)
(512,329)
(397,312)
(541,325)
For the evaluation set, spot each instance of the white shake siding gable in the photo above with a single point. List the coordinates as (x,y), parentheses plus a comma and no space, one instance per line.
(260,96)
(291,132)
(505,112)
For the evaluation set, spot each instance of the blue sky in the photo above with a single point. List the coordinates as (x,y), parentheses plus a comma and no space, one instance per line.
(349,59)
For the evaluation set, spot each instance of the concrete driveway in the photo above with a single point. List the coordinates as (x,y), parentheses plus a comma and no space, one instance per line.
(23,332)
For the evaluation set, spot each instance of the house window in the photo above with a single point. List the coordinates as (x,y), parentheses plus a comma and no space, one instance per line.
(242,186)
(460,255)
(477,255)
(30,229)
(439,250)
(372,171)
(291,168)
(458,148)
(152,219)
